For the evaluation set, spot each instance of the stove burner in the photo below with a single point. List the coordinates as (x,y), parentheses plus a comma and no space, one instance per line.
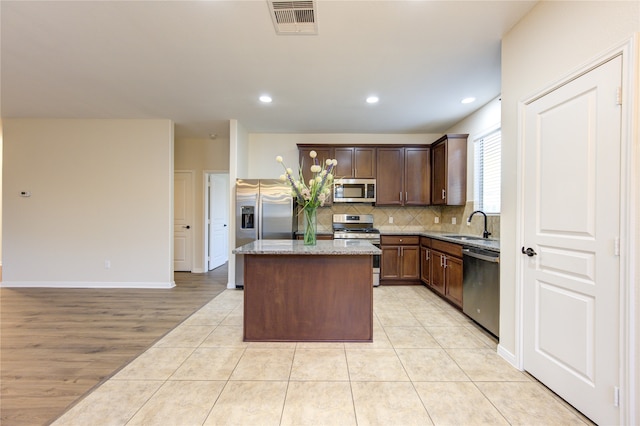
(354,226)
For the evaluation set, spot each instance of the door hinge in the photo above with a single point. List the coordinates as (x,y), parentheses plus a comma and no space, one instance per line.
(619,96)
(616,246)
(616,396)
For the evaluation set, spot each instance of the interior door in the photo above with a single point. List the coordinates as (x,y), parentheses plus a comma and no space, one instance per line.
(218,220)
(182,221)
(571,222)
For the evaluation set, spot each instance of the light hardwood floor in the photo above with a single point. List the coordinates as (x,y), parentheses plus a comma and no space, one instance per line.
(58,344)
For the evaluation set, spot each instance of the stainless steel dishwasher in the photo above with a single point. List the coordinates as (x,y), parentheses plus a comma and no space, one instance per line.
(481,287)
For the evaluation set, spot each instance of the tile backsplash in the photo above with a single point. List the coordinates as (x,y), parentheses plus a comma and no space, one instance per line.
(413,219)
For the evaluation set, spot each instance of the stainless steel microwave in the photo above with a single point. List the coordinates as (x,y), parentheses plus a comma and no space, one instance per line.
(354,191)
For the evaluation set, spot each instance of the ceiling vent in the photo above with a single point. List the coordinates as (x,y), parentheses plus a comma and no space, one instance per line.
(294,17)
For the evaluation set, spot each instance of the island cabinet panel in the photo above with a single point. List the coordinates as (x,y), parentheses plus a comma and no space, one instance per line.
(355,162)
(308,298)
(449,170)
(446,270)
(400,259)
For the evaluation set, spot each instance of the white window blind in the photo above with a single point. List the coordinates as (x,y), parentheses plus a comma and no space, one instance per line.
(487,155)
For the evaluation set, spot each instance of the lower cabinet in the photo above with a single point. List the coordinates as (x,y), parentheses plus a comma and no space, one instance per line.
(400,259)
(318,237)
(446,270)
(425,260)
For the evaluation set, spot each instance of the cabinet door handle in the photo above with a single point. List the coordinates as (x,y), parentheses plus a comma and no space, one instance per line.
(443,193)
(441,261)
(400,195)
(445,261)
(426,255)
(398,251)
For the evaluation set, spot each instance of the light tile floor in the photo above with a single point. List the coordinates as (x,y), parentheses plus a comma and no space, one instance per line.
(428,364)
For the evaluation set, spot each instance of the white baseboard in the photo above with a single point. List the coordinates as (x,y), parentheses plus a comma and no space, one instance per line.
(84,284)
(508,356)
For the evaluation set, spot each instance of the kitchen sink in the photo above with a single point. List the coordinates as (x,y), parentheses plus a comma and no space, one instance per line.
(466,238)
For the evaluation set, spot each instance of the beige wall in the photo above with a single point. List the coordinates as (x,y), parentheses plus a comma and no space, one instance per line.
(200,156)
(1,150)
(238,168)
(477,125)
(101,190)
(555,39)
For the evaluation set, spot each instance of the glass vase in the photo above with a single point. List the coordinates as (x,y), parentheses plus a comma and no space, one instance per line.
(310,225)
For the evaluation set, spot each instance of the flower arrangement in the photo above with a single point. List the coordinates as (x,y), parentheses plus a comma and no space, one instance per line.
(313,194)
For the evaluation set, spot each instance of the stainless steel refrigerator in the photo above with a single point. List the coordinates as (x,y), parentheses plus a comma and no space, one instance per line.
(264,211)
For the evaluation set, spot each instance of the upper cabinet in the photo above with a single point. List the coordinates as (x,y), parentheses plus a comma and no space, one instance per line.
(417,176)
(323,153)
(355,162)
(449,170)
(403,176)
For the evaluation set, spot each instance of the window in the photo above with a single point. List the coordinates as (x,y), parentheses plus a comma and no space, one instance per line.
(487,172)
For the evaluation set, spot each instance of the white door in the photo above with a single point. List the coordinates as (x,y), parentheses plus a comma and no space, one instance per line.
(218,220)
(182,221)
(571,223)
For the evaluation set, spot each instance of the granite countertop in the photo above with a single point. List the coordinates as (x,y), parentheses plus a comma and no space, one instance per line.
(476,241)
(297,247)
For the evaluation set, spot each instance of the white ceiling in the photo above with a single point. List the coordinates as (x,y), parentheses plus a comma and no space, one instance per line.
(201,63)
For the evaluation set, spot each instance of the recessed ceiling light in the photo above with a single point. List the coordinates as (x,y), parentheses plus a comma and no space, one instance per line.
(372,100)
(265,99)
(468,100)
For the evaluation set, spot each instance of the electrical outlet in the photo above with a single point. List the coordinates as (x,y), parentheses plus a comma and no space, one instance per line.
(107,264)
(436,219)
(453,220)
(390,219)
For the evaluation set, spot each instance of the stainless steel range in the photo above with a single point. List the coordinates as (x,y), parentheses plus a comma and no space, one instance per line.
(358,226)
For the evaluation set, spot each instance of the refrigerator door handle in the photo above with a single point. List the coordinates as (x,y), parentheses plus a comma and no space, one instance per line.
(259,230)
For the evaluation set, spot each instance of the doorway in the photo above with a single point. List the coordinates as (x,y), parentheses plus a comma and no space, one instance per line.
(216,226)
(571,228)
(182,220)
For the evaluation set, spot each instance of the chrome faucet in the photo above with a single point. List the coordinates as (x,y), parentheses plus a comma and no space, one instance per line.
(486,233)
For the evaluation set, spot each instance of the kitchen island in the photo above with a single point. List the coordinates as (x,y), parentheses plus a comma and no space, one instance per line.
(294,292)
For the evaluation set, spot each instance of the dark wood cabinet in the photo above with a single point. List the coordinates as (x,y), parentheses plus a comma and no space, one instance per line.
(305,161)
(390,177)
(318,237)
(425,260)
(449,170)
(400,259)
(403,176)
(446,270)
(417,176)
(355,162)
(453,279)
